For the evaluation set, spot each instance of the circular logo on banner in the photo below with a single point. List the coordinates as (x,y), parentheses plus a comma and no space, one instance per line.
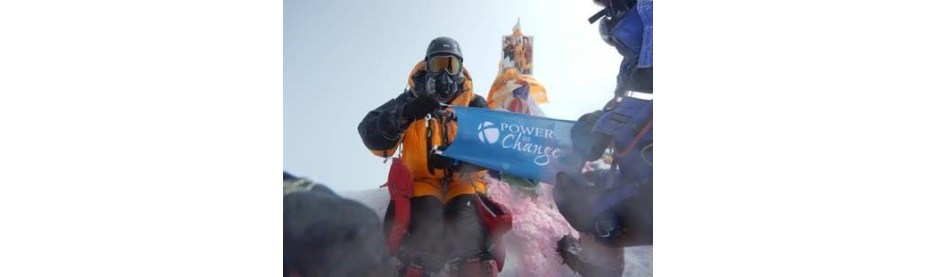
(487,132)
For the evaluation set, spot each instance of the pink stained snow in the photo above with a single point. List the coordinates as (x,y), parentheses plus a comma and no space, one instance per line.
(537,226)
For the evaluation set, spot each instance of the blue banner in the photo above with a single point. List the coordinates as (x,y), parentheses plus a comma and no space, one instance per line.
(518,144)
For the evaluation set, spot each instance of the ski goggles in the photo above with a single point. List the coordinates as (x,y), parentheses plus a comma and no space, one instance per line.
(440,63)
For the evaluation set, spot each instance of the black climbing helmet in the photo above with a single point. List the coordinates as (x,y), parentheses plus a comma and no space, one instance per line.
(443,45)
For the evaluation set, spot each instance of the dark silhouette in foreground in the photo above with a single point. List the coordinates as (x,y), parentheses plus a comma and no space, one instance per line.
(327,235)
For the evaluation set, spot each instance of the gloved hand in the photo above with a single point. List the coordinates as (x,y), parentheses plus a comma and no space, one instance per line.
(421,106)
(430,85)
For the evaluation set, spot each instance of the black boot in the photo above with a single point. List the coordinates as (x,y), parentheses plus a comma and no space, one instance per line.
(421,249)
(467,239)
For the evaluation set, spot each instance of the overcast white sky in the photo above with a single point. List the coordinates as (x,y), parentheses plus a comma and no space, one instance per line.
(343,58)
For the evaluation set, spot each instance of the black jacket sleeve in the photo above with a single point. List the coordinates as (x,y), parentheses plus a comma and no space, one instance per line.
(381,128)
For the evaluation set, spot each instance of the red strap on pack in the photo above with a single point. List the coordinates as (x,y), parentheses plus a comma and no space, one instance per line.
(479,269)
(413,272)
(649,125)
(498,220)
(399,183)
